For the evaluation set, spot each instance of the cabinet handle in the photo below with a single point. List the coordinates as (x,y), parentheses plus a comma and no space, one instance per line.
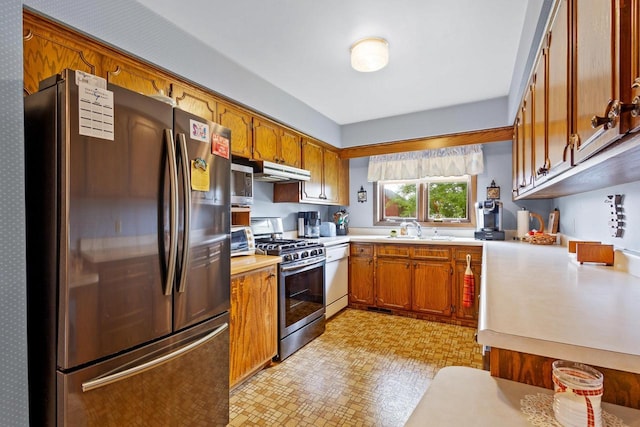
(271,276)
(612,112)
(609,118)
(408,265)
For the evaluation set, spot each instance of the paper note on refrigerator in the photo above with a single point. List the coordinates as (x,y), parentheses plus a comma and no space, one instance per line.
(199,176)
(96,111)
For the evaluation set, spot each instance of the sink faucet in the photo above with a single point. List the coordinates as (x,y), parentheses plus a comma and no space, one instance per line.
(418,228)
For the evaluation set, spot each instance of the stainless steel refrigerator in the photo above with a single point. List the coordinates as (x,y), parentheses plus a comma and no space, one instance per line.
(128,239)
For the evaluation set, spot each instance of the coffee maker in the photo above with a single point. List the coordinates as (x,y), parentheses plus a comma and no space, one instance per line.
(309,224)
(489,220)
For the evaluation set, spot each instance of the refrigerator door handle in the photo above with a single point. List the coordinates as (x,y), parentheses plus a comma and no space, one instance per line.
(173,212)
(186,183)
(128,373)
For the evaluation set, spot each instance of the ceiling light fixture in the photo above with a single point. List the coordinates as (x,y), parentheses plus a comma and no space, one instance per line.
(369,54)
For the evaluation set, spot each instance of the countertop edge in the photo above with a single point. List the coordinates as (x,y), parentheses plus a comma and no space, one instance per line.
(247,263)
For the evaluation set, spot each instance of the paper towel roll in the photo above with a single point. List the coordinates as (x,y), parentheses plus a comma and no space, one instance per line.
(523,223)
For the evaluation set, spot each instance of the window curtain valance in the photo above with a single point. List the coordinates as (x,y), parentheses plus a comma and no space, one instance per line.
(452,161)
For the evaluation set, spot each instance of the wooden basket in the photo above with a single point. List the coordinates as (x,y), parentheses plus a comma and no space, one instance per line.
(541,239)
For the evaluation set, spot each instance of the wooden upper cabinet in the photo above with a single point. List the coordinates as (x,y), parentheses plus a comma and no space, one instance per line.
(195,101)
(239,122)
(312,155)
(324,165)
(265,140)
(557,102)
(596,68)
(135,77)
(634,66)
(540,153)
(515,155)
(331,177)
(290,148)
(526,149)
(49,49)
(276,144)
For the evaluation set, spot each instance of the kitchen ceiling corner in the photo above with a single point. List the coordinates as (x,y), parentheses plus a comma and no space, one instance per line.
(443,53)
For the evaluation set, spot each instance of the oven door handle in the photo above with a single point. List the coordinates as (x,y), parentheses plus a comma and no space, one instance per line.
(299,264)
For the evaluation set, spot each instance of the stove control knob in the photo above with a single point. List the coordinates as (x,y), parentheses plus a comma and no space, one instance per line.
(304,254)
(286,258)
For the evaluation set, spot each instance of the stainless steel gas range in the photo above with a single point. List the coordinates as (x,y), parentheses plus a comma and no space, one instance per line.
(301,295)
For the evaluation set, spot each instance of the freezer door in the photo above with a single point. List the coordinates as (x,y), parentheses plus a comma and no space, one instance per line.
(182,380)
(203,280)
(112,230)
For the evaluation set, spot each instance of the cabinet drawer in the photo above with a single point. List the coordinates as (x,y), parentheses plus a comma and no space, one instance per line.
(393,250)
(460,254)
(362,249)
(431,252)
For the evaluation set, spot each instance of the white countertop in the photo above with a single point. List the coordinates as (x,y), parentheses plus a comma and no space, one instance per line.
(461,396)
(450,240)
(537,299)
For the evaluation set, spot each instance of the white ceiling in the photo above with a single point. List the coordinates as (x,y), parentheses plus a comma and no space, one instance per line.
(442,52)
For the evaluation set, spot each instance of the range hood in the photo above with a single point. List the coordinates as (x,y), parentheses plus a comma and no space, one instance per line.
(273,172)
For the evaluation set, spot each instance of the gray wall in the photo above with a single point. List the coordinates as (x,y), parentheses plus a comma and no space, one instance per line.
(586,216)
(13,334)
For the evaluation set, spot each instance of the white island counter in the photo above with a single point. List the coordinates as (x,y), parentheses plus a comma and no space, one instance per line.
(536,299)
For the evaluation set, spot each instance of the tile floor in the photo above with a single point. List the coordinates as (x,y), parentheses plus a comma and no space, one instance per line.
(367,369)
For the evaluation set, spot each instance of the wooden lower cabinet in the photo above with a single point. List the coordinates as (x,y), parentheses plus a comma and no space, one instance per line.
(620,388)
(424,281)
(253,322)
(361,274)
(459,269)
(432,288)
(393,283)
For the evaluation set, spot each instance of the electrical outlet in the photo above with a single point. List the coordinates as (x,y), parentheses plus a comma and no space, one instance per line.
(118,226)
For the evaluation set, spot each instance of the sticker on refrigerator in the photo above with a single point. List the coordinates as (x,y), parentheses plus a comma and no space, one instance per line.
(199,175)
(220,145)
(199,131)
(95,107)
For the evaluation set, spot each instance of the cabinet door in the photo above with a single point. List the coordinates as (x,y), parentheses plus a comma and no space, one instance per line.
(196,102)
(515,155)
(432,287)
(123,73)
(312,161)
(47,50)
(265,140)
(527,141)
(540,158)
(393,283)
(634,78)
(331,176)
(557,102)
(343,179)
(361,279)
(290,148)
(462,312)
(595,74)
(253,323)
(460,257)
(240,124)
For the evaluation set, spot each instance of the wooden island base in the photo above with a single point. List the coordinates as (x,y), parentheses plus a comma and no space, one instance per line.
(620,388)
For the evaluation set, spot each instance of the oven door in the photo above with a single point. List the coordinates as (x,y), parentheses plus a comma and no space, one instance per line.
(301,296)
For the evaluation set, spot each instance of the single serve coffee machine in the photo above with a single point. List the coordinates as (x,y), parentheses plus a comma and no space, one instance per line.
(309,224)
(489,217)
